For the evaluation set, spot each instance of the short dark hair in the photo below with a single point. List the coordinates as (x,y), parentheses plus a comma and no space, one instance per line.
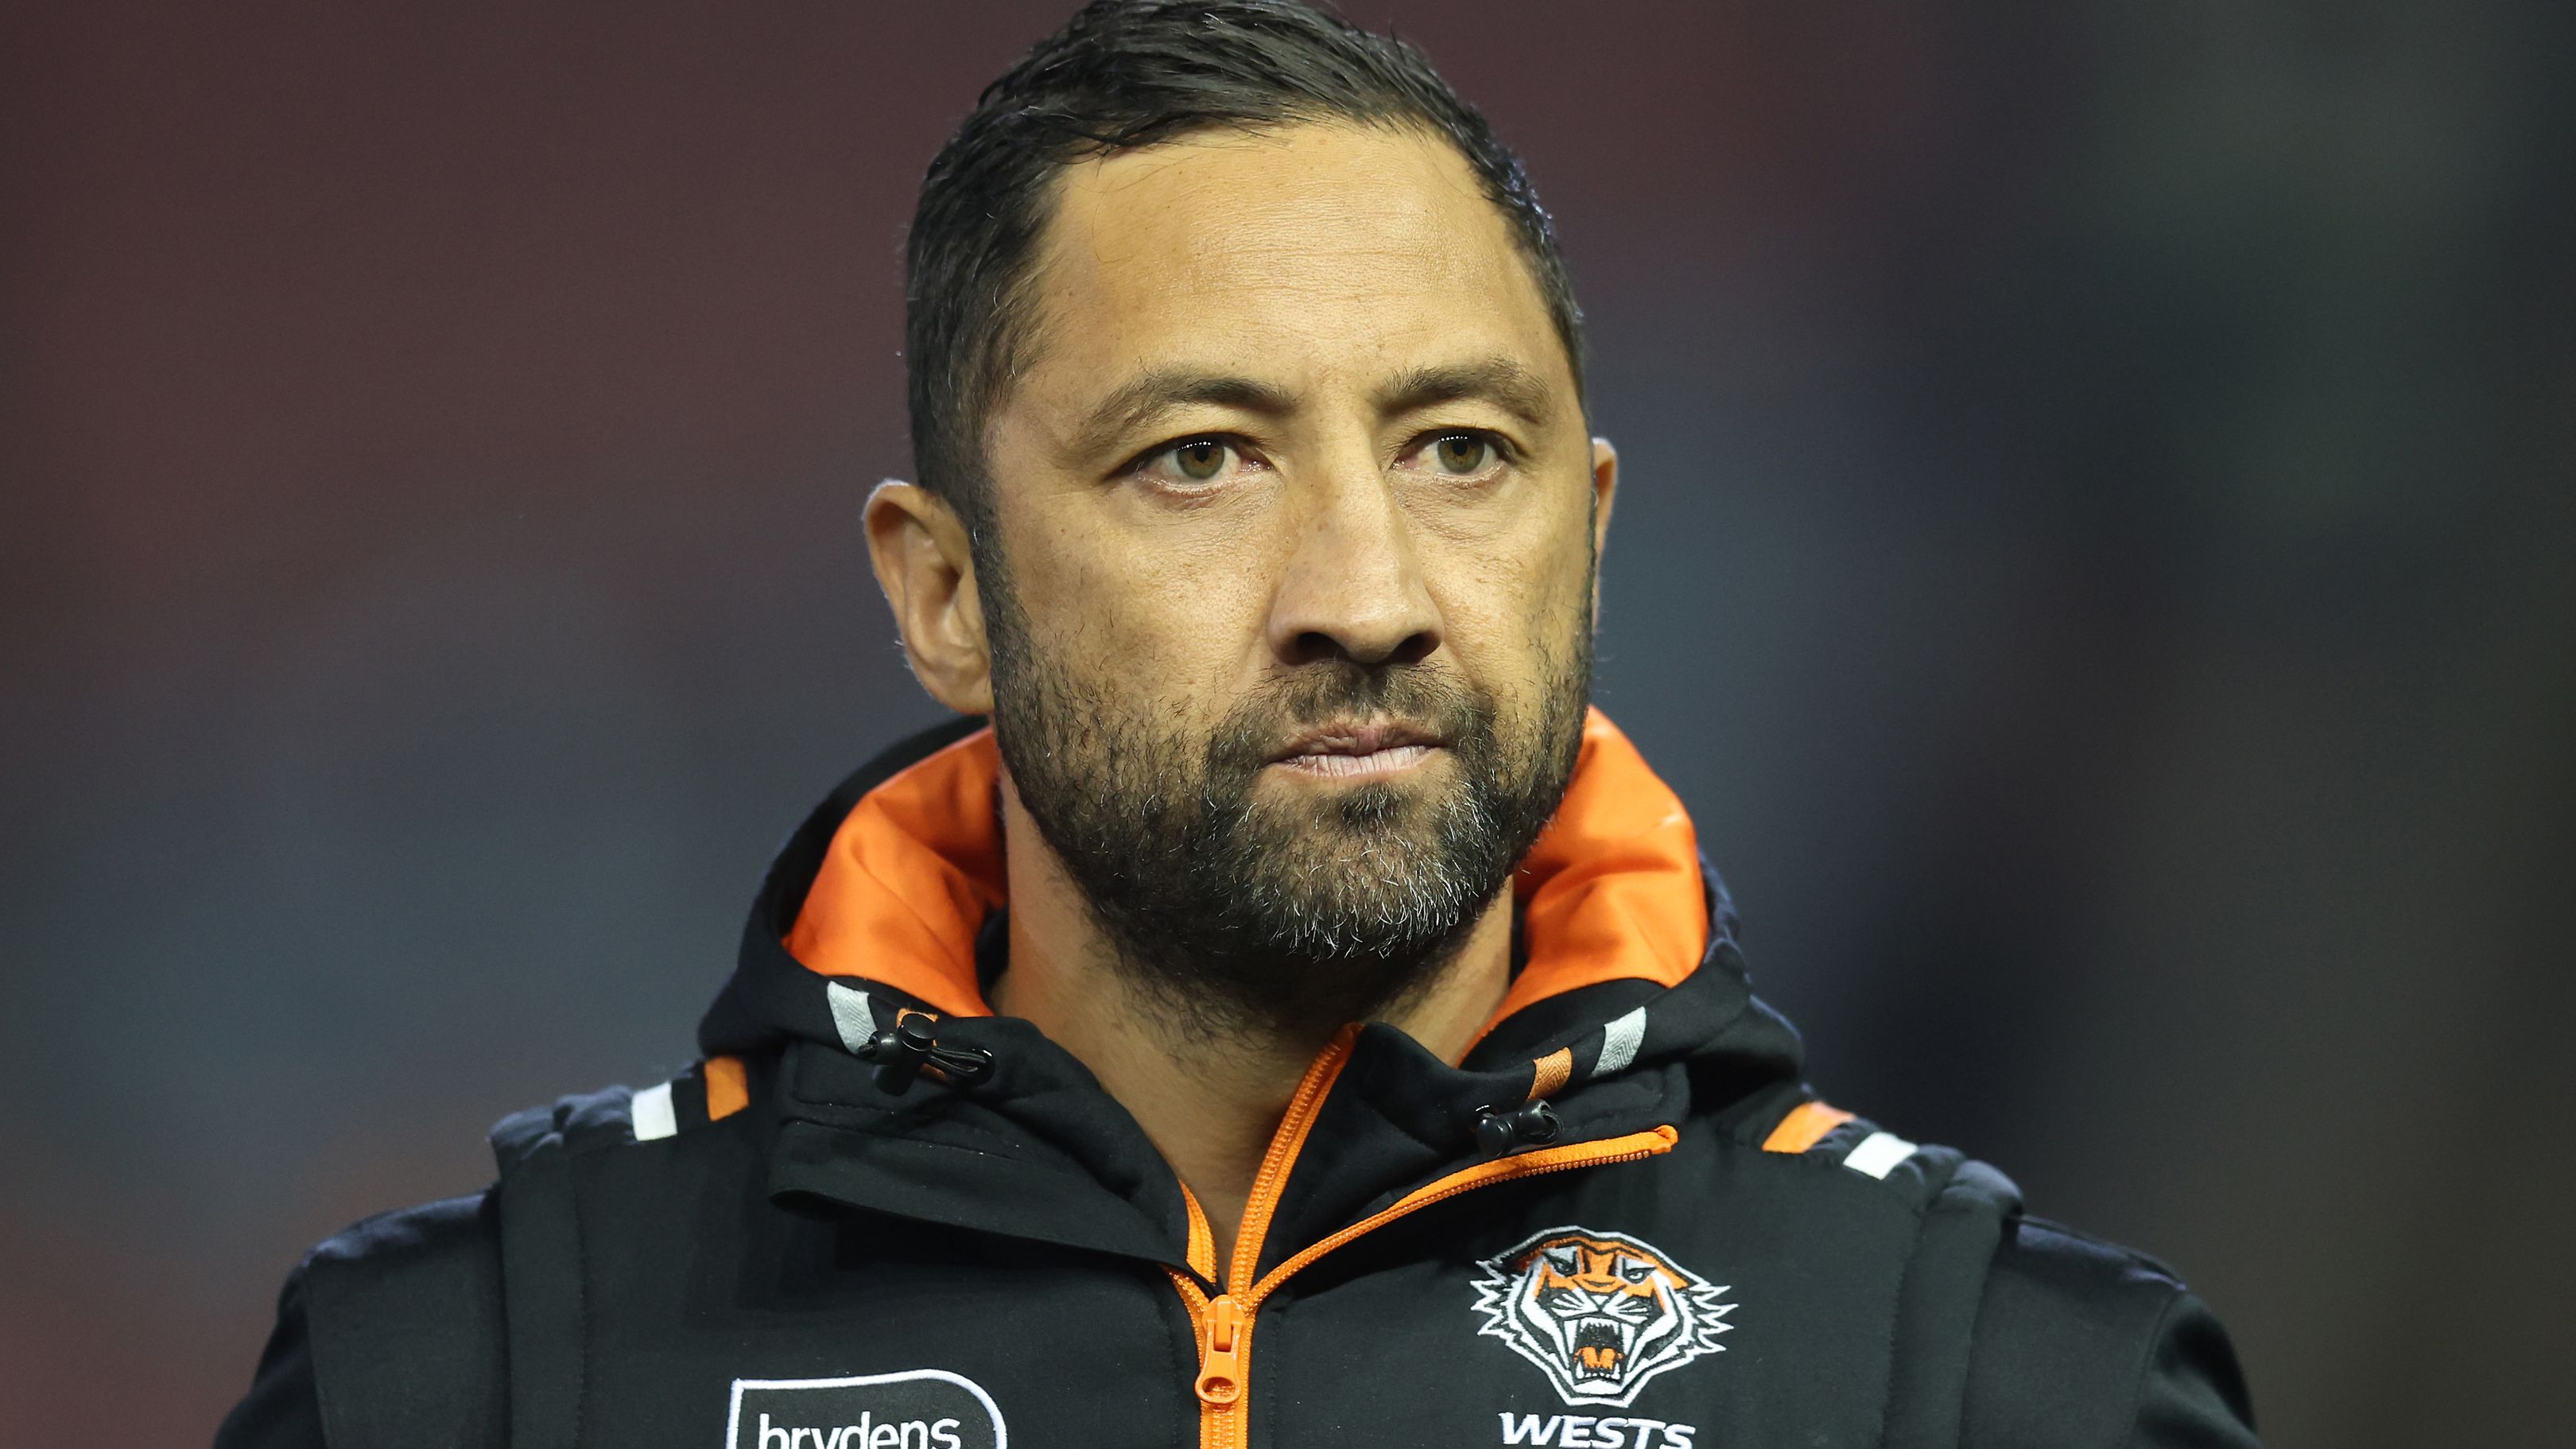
(1130,73)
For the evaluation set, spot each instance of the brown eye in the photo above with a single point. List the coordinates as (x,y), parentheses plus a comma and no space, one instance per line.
(1199,461)
(1462,453)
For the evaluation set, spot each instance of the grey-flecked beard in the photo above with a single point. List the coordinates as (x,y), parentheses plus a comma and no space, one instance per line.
(1244,916)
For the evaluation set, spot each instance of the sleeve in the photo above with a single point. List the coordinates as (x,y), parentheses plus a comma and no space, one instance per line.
(2081,1345)
(282,1409)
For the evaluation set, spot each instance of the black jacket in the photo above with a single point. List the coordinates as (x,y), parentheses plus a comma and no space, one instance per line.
(879,1217)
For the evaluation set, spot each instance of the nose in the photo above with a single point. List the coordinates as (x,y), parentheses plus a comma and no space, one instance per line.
(1353,588)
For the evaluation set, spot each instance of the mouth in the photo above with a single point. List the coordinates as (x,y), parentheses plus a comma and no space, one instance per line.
(1348,749)
(1601,1346)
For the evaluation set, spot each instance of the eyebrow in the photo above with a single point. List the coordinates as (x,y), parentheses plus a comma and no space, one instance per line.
(1498,380)
(1165,388)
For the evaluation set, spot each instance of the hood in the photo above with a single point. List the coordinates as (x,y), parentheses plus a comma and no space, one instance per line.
(891,885)
(1631,1011)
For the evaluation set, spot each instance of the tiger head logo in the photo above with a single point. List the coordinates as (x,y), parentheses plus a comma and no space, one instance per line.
(1599,1312)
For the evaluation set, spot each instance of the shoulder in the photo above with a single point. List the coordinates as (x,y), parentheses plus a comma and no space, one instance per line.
(707,1093)
(397,1314)
(2047,1267)
(405,1316)
(2069,1340)
(2079,1341)
(1824,1142)
(451,1229)
(445,1256)
(396,1322)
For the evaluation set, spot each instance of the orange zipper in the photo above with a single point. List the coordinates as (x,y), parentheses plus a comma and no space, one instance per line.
(1224,1323)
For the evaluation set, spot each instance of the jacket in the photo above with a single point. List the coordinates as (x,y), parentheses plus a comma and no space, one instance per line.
(877,1216)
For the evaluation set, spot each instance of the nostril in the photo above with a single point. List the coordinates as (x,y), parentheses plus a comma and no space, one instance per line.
(1316,646)
(1414,648)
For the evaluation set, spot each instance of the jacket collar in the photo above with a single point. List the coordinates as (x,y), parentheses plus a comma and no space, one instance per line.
(1611,891)
(876,904)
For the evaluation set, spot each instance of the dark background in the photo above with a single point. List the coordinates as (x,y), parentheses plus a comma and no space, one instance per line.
(2095,556)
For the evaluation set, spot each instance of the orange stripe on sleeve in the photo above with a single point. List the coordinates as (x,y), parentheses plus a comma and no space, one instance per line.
(1804,1127)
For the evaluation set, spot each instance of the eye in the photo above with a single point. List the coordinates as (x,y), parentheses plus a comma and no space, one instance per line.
(1634,1271)
(1461,453)
(1199,459)
(1458,455)
(1191,462)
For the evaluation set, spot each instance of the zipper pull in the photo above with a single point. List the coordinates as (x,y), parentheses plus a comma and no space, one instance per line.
(1221,1352)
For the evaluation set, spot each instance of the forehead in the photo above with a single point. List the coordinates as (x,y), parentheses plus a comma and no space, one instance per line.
(1301,250)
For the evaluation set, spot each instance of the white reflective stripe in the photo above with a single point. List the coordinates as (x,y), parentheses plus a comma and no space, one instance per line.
(1878,1154)
(1619,1043)
(652,1112)
(852,1017)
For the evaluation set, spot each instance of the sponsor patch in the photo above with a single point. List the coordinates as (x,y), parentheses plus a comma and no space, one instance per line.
(1600,1313)
(917,1409)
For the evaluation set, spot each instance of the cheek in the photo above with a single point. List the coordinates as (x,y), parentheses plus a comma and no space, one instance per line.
(1512,607)
(1162,618)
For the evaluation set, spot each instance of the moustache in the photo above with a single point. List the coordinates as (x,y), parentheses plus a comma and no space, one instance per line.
(1420,702)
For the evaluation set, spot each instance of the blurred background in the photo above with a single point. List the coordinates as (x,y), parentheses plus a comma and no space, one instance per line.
(2095,556)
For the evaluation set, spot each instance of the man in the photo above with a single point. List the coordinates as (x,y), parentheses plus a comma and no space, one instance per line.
(1297,1019)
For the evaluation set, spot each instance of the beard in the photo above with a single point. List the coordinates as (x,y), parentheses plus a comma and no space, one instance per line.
(1305,910)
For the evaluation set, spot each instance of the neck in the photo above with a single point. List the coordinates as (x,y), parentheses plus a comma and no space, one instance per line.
(1210,1105)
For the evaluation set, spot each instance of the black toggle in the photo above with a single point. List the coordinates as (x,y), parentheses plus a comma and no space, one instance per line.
(902,1054)
(1499,1131)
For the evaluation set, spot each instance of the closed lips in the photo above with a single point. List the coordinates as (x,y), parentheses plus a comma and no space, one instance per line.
(1358,749)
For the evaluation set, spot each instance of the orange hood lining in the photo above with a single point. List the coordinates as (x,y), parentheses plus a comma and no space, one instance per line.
(1610,892)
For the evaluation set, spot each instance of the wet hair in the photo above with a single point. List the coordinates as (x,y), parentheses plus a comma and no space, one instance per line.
(1125,74)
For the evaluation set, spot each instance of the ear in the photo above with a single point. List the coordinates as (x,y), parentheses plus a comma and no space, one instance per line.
(1605,488)
(927,569)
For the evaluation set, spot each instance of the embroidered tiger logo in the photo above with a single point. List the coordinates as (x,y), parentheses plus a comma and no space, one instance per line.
(1599,1312)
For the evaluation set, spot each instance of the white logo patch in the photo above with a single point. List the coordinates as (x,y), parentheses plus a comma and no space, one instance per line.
(918,1409)
(1600,1313)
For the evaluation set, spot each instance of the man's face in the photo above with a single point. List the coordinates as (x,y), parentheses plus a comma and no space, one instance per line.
(1289,587)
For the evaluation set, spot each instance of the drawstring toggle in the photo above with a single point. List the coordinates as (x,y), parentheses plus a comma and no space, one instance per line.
(902,1053)
(1499,1130)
